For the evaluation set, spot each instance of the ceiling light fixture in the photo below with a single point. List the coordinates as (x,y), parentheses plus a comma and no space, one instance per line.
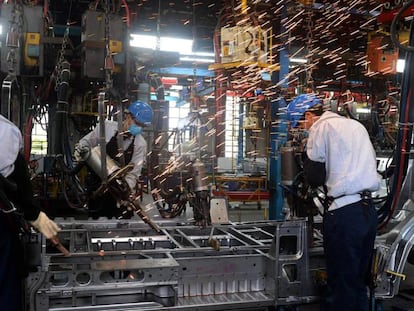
(196,59)
(168,44)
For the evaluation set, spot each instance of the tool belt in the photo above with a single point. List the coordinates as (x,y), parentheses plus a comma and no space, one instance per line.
(366,197)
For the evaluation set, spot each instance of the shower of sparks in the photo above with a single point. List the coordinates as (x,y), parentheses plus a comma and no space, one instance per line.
(332,43)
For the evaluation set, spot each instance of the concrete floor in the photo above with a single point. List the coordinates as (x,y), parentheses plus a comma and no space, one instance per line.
(241,212)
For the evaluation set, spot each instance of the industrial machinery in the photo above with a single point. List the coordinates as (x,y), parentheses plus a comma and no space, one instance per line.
(156,262)
(182,178)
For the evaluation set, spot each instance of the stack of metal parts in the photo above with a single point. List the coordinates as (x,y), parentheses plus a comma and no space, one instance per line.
(128,266)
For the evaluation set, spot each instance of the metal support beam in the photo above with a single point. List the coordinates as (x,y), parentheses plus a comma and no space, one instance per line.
(278,134)
(185,71)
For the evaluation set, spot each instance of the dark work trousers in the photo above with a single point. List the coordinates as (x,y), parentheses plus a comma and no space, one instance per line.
(349,236)
(10,279)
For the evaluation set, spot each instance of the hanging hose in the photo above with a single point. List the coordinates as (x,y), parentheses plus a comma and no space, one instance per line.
(127,13)
(62,108)
(28,137)
(101,138)
(393,29)
(406,119)
(61,145)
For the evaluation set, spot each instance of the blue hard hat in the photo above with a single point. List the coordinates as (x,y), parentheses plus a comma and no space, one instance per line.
(142,112)
(299,105)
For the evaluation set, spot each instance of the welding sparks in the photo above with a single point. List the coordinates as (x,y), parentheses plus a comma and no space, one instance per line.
(333,34)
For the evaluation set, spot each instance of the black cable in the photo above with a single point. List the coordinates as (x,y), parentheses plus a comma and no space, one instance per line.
(403,143)
(393,29)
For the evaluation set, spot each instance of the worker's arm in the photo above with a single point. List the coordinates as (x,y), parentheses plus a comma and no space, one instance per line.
(138,159)
(23,197)
(83,147)
(314,172)
(11,138)
(23,194)
(92,138)
(314,167)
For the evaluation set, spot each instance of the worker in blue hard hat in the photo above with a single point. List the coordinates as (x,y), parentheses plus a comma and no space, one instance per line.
(138,115)
(341,159)
(299,105)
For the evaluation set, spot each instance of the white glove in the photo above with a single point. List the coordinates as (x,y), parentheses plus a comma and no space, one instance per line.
(45,226)
(81,153)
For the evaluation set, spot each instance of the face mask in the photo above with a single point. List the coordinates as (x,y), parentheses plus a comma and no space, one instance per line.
(135,130)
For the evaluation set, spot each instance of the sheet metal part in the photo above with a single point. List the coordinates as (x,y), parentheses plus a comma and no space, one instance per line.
(125,265)
(128,266)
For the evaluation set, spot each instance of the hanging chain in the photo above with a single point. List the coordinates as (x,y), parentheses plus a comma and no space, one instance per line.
(20,19)
(61,57)
(13,36)
(309,46)
(108,56)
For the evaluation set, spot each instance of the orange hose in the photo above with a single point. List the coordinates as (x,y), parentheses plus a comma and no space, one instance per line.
(128,19)
(28,138)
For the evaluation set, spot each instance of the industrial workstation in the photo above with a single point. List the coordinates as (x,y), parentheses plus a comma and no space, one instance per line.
(206,155)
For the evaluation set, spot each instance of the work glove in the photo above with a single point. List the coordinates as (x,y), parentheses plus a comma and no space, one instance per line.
(82,152)
(45,226)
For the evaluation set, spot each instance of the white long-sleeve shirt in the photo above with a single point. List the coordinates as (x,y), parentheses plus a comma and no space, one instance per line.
(139,152)
(346,149)
(10,137)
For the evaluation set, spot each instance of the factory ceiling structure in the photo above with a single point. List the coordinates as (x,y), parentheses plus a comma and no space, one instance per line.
(327,26)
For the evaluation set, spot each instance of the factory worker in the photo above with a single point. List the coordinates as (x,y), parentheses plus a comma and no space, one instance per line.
(340,156)
(137,116)
(16,193)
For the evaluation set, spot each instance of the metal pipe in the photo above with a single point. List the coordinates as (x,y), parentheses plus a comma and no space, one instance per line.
(102,140)
(119,138)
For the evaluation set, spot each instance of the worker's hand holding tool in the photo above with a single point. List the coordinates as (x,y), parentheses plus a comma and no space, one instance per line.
(49,229)
(45,226)
(82,152)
